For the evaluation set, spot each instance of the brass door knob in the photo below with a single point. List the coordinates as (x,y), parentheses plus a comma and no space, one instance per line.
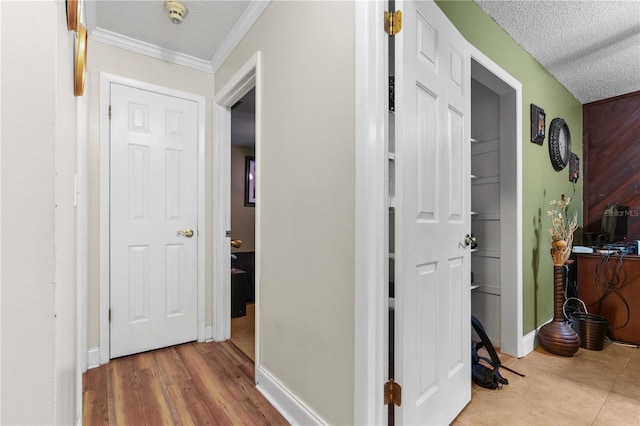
(188,233)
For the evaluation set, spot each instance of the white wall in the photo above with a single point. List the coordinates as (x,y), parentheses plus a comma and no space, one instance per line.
(38,125)
(113,60)
(307,195)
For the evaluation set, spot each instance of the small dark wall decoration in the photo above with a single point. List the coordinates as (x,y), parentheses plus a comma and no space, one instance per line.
(574,168)
(250,182)
(538,124)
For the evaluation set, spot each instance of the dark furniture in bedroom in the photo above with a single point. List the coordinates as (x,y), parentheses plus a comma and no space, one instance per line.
(238,293)
(245,261)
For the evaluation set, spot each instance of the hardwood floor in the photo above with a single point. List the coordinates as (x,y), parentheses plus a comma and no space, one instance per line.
(190,384)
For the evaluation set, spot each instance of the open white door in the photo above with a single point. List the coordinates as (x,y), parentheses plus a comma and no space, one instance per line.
(154,218)
(432,121)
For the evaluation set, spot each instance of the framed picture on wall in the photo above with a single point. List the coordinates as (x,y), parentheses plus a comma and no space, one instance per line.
(250,182)
(538,118)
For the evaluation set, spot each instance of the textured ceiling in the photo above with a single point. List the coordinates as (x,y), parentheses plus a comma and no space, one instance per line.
(591,47)
(200,35)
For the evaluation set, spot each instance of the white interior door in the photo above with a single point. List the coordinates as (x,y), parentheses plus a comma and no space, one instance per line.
(432,100)
(153,211)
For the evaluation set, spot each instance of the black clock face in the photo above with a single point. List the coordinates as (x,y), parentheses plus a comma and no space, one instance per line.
(559,144)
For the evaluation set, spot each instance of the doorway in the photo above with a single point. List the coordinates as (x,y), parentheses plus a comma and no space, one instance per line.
(246,79)
(243,224)
(496,203)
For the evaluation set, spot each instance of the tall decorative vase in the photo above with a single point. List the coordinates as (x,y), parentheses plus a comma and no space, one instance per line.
(557,336)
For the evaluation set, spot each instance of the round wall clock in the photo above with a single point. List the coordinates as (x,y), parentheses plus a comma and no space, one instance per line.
(73,14)
(80,61)
(559,144)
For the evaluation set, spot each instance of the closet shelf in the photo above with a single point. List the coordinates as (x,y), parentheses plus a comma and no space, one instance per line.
(474,286)
(490,290)
(486,180)
(485,216)
(486,253)
(392,202)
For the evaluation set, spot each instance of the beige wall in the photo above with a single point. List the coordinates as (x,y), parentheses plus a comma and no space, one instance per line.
(243,218)
(38,163)
(307,195)
(112,60)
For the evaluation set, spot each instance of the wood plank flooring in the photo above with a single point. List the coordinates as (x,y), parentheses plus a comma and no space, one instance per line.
(190,384)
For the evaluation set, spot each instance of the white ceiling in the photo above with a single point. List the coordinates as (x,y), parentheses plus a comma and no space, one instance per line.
(209,32)
(591,47)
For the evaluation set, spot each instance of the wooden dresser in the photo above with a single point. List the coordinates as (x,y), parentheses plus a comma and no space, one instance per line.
(604,284)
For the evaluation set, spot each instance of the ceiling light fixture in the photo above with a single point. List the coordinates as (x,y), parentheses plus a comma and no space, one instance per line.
(176,10)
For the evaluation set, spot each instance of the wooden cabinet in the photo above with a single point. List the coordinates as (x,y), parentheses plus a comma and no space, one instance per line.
(610,286)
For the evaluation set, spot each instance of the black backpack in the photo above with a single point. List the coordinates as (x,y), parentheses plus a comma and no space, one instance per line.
(482,375)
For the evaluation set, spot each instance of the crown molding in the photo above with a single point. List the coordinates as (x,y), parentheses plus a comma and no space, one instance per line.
(144,48)
(239,30)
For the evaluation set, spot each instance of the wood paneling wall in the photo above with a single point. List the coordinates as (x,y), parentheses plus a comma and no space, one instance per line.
(611,150)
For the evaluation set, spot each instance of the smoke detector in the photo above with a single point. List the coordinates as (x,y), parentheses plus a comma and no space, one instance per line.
(176,10)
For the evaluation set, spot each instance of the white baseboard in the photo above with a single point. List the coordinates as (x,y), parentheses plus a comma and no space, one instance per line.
(530,340)
(291,408)
(93,357)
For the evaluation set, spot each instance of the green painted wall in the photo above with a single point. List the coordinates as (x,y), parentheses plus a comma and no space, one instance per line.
(541,183)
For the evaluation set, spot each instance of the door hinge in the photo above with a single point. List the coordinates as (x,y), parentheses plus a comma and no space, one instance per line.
(109,315)
(392,393)
(109,112)
(392,22)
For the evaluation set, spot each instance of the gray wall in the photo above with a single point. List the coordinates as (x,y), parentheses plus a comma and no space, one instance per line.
(307,193)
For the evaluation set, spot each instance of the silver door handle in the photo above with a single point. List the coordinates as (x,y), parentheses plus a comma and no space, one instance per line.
(470,240)
(188,233)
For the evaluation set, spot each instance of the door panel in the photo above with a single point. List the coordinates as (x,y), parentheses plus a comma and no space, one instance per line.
(432,117)
(153,266)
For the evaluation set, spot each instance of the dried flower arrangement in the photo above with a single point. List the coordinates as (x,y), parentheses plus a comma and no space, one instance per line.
(561,231)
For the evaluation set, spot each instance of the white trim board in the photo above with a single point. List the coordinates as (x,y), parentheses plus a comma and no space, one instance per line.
(105,83)
(511,337)
(242,27)
(247,77)
(291,408)
(148,49)
(371,227)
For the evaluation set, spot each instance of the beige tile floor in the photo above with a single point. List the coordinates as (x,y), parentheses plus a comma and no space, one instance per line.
(242,331)
(590,388)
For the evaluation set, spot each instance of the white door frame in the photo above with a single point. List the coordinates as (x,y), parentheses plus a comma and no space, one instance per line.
(105,96)
(246,78)
(371,332)
(511,336)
